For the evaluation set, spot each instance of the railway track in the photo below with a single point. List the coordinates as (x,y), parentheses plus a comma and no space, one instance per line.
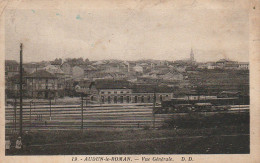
(41,117)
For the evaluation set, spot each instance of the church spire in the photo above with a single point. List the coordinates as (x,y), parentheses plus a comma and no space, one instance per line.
(192,55)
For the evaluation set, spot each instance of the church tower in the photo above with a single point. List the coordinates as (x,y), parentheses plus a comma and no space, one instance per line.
(192,56)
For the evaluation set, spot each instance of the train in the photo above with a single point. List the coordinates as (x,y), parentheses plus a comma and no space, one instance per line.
(178,105)
(188,108)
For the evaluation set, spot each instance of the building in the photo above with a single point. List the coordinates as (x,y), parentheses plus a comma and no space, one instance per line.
(211,65)
(149,93)
(231,65)
(12,86)
(186,62)
(54,70)
(138,69)
(90,72)
(77,72)
(67,69)
(111,91)
(243,65)
(192,59)
(11,68)
(42,84)
(172,76)
(122,91)
(227,64)
(221,63)
(34,66)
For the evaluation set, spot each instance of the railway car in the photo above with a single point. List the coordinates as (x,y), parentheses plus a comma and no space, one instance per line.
(203,107)
(181,108)
(222,108)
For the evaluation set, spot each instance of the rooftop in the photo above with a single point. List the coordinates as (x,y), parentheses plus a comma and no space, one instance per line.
(151,88)
(41,74)
(112,84)
(11,62)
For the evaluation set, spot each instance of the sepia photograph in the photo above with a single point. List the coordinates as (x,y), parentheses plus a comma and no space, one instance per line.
(127,81)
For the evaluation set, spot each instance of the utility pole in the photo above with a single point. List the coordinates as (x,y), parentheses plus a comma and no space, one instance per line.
(154,102)
(15,107)
(30,114)
(82,103)
(50,109)
(21,89)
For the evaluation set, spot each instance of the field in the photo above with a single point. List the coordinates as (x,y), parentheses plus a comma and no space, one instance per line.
(181,141)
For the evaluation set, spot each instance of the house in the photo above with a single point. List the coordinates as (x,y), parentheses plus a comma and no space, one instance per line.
(113,67)
(243,65)
(130,65)
(11,68)
(211,65)
(231,65)
(149,79)
(181,68)
(12,86)
(57,62)
(172,76)
(221,63)
(77,72)
(34,66)
(67,69)
(138,69)
(54,70)
(90,71)
(226,64)
(42,84)
(83,86)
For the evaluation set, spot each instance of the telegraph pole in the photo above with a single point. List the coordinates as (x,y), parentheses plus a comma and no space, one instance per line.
(21,89)
(15,107)
(154,102)
(82,103)
(50,108)
(30,114)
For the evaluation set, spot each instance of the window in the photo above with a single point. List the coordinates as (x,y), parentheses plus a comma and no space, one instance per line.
(121,99)
(109,99)
(135,99)
(161,98)
(122,92)
(115,92)
(115,99)
(142,99)
(167,97)
(127,99)
(154,98)
(102,92)
(102,99)
(149,99)
(109,92)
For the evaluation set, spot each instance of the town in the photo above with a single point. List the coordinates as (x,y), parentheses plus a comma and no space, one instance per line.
(115,81)
(90,103)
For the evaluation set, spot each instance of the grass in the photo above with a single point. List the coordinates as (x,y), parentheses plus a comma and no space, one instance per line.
(215,121)
(195,134)
(179,141)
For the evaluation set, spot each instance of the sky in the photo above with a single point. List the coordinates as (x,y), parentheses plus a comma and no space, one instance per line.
(127,34)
